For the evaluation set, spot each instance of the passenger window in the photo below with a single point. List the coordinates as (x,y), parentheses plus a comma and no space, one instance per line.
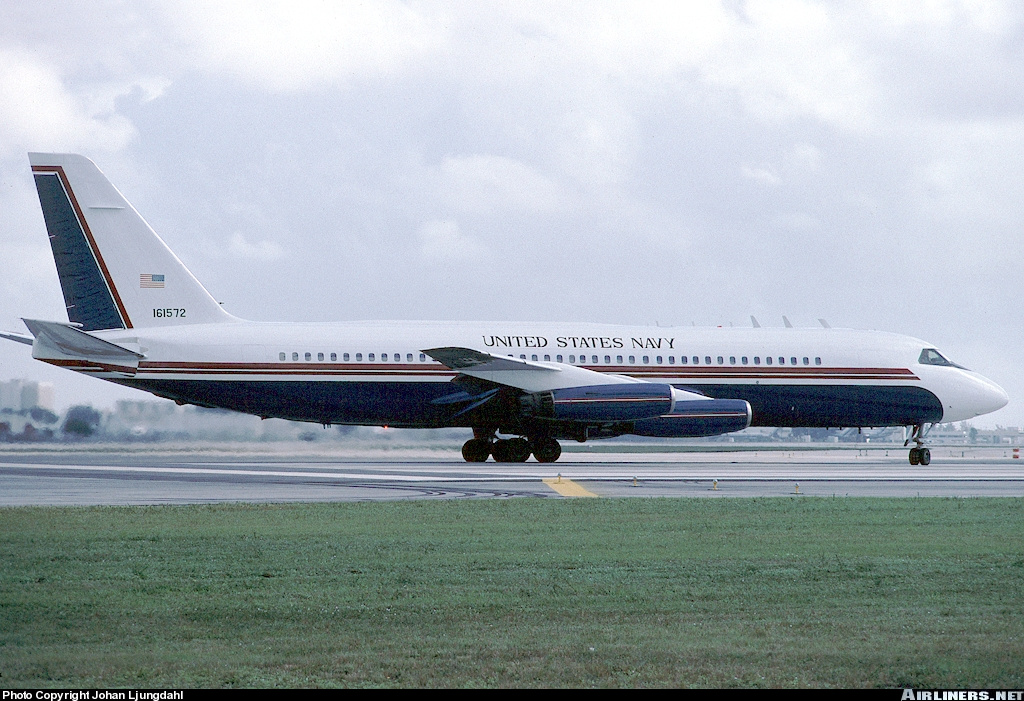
(696,360)
(732,360)
(533,357)
(558,358)
(768,360)
(345,357)
(757,360)
(671,360)
(632,360)
(817,361)
(647,360)
(707,360)
(522,356)
(397,357)
(281,356)
(319,356)
(792,361)
(618,359)
(334,357)
(807,361)
(309,356)
(383,357)
(359,357)
(370,357)
(295,356)
(657,359)
(593,359)
(423,357)
(572,358)
(547,358)
(743,360)
(721,360)
(682,359)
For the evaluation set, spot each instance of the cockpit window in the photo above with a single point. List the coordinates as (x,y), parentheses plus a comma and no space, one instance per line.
(930,356)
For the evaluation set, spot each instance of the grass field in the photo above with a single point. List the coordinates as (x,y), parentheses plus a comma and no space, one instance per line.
(598,592)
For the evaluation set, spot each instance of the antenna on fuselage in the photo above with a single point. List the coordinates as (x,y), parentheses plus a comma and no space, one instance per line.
(753,321)
(785,321)
(824,324)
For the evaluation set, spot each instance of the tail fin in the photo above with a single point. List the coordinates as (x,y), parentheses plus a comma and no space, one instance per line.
(115,271)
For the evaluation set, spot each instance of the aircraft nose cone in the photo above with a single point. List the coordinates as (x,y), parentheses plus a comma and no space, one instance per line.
(998,397)
(987,396)
(972,395)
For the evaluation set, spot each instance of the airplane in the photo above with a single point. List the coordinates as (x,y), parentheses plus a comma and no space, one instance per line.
(139,318)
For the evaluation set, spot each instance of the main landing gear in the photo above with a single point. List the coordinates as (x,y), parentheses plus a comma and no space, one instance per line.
(480,447)
(919,455)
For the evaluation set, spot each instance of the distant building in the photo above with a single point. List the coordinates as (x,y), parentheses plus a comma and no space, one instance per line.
(25,395)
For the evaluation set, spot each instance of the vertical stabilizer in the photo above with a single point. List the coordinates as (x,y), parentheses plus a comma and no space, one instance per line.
(115,271)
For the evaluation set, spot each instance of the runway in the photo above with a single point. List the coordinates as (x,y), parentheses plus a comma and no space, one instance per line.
(112,476)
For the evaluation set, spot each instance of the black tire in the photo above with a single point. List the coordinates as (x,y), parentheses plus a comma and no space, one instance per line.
(520,448)
(476,450)
(546,449)
(915,456)
(925,456)
(501,451)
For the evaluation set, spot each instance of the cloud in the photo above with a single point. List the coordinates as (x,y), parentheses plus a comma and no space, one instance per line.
(765,176)
(39,112)
(487,183)
(442,241)
(261,250)
(300,44)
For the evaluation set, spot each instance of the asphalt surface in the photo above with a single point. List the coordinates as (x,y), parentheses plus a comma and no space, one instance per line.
(113,475)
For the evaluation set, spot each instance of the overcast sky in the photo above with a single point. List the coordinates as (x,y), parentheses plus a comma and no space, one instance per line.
(630,163)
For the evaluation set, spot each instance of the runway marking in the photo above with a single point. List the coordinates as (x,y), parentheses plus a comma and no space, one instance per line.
(567,488)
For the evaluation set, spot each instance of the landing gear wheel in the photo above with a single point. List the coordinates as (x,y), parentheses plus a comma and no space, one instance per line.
(476,450)
(546,449)
(511,450)
(919,455)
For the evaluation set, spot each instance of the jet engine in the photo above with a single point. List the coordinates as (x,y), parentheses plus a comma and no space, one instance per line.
(602,403)
(703,417)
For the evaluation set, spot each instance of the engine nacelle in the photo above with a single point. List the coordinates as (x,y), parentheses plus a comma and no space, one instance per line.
(602,403)
(704,417)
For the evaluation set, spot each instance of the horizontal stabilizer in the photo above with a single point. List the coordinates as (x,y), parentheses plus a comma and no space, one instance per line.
(74,343)
(19,337)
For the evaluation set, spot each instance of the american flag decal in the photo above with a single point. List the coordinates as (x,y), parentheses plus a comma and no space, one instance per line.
(150,280)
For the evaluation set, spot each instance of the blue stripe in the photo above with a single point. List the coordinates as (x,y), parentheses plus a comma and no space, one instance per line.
(86,295)
(831,406)
(417,405)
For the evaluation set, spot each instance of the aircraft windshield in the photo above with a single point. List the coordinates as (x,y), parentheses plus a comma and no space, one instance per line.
(930,356)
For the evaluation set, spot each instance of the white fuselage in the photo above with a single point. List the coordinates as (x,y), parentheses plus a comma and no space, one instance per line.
(765,366)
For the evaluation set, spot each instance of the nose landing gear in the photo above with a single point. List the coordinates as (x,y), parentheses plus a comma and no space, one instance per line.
(919,455)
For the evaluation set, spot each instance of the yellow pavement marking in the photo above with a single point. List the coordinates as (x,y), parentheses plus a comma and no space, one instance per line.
(567,488)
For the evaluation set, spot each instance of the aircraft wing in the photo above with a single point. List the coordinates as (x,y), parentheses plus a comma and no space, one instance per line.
(527,375)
